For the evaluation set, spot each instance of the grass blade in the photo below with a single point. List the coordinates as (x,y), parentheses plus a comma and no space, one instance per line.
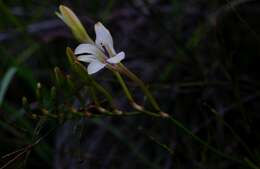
(5,82)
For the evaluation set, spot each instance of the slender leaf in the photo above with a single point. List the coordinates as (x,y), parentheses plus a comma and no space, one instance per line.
(5,82)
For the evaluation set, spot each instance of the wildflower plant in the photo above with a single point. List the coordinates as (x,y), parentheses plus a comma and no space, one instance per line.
(98,54)
(101,53)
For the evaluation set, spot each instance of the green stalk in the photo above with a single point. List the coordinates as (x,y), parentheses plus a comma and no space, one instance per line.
(102,90)
(94,96)
(93,84)
(189,132)
(251,164)
(125,88)
(141,84)
(129,95)
(238,138)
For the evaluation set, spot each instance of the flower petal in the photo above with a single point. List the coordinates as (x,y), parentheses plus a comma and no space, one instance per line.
(89,49)
(116,59)
(87,58)
(95,66)
(103,37)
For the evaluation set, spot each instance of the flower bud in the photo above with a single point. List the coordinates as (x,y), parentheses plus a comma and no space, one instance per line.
(72,21)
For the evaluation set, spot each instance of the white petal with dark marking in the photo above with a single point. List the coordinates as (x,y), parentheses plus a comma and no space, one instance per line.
(103,37)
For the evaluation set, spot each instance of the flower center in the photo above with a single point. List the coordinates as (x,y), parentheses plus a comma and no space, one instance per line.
(105,50)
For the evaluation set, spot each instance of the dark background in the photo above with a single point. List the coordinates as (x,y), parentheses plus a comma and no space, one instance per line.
(200,59)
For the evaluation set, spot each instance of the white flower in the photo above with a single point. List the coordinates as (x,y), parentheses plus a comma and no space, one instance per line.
(100,54)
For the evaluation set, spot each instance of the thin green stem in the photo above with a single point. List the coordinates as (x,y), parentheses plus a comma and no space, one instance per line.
(251,164)
(107,113)
(189,132)
(80,69)
(130,97)
(162,145)
(150,113)
(125,88)
(102,90)
(238,138)
(141,84)
(94,96)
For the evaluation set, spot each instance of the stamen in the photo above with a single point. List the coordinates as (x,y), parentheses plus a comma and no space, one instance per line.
(105,50)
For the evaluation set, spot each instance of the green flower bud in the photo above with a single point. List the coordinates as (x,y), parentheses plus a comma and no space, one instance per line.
(72,21)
